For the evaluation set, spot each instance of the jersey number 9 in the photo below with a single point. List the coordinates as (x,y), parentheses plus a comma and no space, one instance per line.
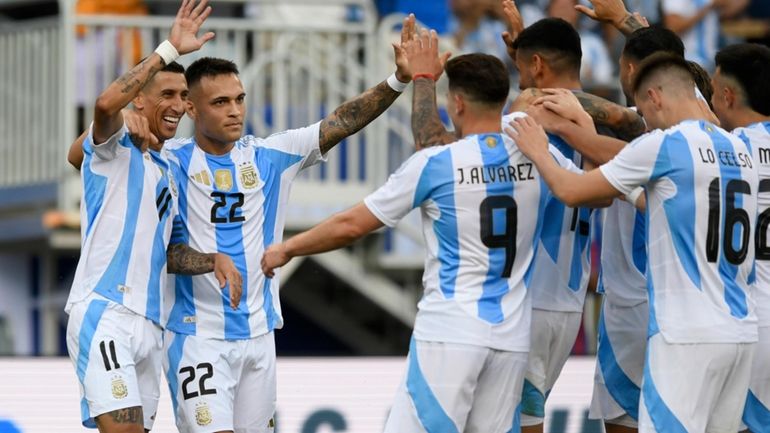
(502,239)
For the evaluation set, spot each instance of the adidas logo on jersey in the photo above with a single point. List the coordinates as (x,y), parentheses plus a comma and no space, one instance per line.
(202,177)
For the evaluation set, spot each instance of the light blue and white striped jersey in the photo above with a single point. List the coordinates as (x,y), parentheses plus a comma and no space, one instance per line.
(624,255)
(234,204)
(482,203)
(562,261)
(701,40)
(701,187)
(126,214)
(757,138)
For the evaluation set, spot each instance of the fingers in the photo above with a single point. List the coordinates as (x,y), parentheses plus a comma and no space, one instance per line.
(236,289)
(267,270)
(408,29)
(445,58)
(585,10)
(182,9)
(221,278)
(199,9)
(202,17)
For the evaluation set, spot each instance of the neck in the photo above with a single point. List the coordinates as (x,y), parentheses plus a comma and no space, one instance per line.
(210,146)
(559,81)
(482,125)
(746,117)
(678,113)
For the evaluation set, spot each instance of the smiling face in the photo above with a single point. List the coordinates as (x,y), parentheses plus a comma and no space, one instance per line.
(162,101)
(217,106)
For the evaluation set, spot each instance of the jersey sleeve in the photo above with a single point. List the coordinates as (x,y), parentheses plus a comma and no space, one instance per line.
(302,142)
(400,194)
(635,165)
(563,161)
(108,150)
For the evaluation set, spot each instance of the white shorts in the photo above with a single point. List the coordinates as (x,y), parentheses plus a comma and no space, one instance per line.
(756,415)
(619,363)
(218,385)
(553,335)
(457,388)
(117,357)
(694,387)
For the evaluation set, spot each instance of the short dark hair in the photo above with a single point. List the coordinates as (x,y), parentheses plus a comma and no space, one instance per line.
(647,41)
(702,80)
(660,61)
(208,67)
(749,66)
(556,37)
(481,77)
(173,67)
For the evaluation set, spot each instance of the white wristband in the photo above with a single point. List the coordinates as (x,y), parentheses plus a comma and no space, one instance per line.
(633,196)
(396,85)
(167,52)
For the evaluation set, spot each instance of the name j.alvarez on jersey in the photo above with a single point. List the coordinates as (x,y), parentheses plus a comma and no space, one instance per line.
(491,174)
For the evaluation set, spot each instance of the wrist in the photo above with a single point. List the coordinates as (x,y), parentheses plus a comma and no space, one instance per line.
(424,75)
(167,51)
(396,83)
(620,22)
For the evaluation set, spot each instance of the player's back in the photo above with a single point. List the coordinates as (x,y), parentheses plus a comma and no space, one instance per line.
(129,200)
(481,201)
(701,199)
(757,138)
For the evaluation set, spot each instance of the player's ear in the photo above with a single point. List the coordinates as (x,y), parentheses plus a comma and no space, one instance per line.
(729,96)
(138,101)
(190,109)
(459,103)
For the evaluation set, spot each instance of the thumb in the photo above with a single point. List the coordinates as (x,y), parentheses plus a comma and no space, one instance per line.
(221,278)
(445,57)
(154,140)
(507,38)
(206,37)
(585,10)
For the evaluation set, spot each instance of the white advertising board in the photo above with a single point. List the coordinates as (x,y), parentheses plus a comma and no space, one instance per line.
(315,395)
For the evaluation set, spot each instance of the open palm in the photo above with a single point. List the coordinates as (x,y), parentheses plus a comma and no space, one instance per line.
(188,21)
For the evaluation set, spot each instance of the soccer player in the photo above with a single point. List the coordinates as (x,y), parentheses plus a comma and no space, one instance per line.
(742,102)
(467,356)
(701,189)
(233,190)
(114,336)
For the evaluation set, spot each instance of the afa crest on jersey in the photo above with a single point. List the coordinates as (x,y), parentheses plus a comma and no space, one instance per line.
(202,414)
(119,388)
(248,175)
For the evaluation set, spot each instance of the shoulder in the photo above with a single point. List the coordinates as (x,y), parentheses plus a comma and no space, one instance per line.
(176,144)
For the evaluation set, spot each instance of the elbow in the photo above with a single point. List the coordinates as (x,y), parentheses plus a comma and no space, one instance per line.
(104,107)
(349,230)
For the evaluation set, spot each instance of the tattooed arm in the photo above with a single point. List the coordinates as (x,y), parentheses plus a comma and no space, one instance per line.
(427,128)
(183,37)
(182,259)
(625,122)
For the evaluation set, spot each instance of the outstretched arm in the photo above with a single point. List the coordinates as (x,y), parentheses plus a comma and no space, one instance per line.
(336,232)
(181,40)
(138,129)
(571,188)
(354,114)
(182,259)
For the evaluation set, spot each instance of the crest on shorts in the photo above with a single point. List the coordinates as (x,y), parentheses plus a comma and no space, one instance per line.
(119,388)
(223,179)
(202,414)
(248,175)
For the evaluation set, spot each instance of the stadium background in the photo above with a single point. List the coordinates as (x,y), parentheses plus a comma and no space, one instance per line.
(348,313)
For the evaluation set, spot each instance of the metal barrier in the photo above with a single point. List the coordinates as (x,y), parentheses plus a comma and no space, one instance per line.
(31,102)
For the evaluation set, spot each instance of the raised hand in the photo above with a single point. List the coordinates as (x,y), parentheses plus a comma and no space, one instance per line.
(408,31)
(275,256)
(188,21)
(614,12)
(422,54)
(226,272)
(515,25)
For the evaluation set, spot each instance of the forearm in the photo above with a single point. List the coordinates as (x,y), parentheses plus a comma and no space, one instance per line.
(182,259)
(119,94)
(427,128)
(353,115)
(597,148)
(626,123)
(336,232)
(570,188)
(732,9)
